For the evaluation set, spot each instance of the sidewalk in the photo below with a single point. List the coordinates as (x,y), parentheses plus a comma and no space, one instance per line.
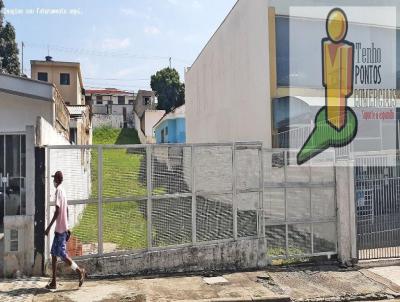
(325,283)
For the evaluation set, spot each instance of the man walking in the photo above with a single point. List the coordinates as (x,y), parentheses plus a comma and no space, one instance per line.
(58,248)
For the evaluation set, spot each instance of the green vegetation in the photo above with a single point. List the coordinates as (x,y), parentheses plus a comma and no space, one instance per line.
(295,255)
(124,223)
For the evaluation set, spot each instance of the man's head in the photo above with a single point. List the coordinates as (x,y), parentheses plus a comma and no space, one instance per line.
(58,178)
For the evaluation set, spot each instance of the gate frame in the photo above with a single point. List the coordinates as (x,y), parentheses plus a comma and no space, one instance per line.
(234,191)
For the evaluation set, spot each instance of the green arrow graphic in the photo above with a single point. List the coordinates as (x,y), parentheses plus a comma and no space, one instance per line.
(324,135)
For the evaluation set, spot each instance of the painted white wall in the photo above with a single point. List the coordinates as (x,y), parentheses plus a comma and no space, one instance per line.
(17,112)
(27,86)
(47,135)
(151,118)
(227,87)
(136,122)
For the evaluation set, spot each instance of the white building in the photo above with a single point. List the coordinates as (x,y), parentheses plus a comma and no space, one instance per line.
(111,107)
(32,114)
(259,76)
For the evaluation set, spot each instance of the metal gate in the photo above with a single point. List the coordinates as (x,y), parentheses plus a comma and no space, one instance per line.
(150,197)
(377,191)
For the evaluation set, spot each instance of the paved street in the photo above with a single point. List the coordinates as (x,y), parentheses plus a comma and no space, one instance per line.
(326,283)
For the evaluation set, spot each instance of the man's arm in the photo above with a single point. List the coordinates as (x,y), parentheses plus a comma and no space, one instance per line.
(56,213)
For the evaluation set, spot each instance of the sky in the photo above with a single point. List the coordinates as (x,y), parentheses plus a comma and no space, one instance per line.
(119,43)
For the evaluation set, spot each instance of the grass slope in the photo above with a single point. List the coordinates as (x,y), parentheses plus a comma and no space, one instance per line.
(123,222)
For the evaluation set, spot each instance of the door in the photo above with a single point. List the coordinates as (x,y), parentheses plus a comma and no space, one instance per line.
(12,176)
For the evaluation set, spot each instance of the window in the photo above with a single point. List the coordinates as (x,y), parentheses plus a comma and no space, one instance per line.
(166,130)
(99,100)
(13,240)
(64,79)
(88,99)
(130,102)
(42,76)
(121,100)
(146,100)
(162,136)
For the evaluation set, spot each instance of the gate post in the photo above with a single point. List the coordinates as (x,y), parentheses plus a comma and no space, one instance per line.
(346,216)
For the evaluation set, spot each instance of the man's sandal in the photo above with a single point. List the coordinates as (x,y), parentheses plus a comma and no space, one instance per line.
(82,277)
(50,287)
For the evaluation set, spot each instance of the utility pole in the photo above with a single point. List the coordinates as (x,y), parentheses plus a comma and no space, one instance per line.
(170,62)
(22,63)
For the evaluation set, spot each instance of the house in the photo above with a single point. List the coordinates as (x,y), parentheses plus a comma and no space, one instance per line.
(259,77)
(33,114)
(146,115)
(171,127)
(67,77)
(111,107)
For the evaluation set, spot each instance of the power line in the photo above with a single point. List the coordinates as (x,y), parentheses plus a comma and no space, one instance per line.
(102,53)
(114,79)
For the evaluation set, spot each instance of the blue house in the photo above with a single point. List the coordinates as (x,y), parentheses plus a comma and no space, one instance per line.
(171,127)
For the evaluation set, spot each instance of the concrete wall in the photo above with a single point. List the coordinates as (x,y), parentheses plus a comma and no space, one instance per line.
(19,111)
(231,256)
(23,259)
(227,87)
(102,120)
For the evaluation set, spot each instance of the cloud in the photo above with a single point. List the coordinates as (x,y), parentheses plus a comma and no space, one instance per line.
(115,43)
(173,2)
(130,12)
(196,4)
(151,30)
(124,72)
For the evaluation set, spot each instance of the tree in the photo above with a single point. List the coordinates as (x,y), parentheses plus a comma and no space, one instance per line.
(8,46)
(168,88)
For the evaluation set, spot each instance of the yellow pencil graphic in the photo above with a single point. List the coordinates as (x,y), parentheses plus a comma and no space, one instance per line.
(336,124)
(337,68)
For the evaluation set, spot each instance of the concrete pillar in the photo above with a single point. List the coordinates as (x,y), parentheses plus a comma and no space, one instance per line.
(346,214)
(30,171)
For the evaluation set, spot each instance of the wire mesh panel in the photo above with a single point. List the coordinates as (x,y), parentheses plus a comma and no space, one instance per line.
(83,222)
(171,221)
(294,172)
(248,204)
(76,165)
(124,172)
(299,239)
(323,203)
(325,237)
(213,168)
(275,236)
(171,169)
(124,226)
(214,217)
(299,205)
(274,166)
(247,168)
(274,204)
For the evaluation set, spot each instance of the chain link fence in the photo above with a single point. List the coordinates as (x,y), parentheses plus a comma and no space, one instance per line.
(146,197)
